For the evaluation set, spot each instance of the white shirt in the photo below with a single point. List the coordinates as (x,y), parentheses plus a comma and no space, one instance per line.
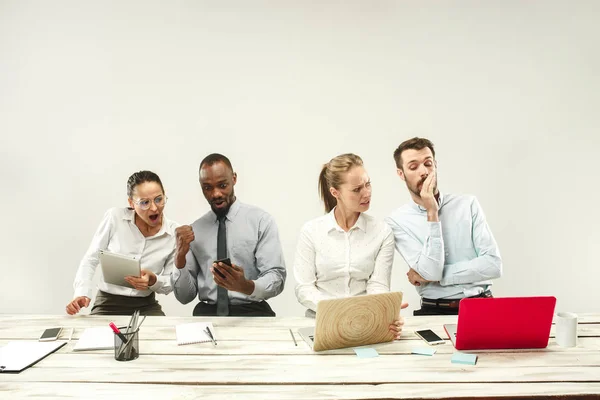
(458,253)
(118,233)
(331,263)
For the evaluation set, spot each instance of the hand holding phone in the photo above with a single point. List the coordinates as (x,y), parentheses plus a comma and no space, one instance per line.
(225,261)
(430,337)
(50,334)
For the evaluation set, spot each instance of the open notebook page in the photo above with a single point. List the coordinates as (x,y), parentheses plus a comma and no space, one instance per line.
(193,332)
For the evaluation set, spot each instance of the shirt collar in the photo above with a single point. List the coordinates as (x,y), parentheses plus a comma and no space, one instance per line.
(233,210)
(440,202)
(129,214)
(165,228)
(361,223)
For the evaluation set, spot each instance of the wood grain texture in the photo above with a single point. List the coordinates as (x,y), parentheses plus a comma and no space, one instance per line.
(356,321)
(117,391)
(257,359)
(241,333)
(237,347)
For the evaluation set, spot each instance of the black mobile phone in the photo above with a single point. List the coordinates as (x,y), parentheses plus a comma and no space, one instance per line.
(225,261)
(429,336)
(50,334)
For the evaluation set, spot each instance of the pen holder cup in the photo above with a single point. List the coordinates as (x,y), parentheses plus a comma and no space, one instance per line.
(128,350)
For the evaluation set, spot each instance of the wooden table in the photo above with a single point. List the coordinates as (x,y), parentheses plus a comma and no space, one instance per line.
(256,359)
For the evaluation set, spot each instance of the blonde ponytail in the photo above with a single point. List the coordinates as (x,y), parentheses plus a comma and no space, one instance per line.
(332,176)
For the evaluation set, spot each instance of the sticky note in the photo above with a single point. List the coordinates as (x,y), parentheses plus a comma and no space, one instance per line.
(424,351)
(366,352)
(464,358)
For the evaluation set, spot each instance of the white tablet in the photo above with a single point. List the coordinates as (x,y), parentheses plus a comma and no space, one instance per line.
(115,267)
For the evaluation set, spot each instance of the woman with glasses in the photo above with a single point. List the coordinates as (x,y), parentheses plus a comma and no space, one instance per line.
(140,230)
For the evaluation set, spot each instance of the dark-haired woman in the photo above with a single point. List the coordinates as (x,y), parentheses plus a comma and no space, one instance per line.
(139,230)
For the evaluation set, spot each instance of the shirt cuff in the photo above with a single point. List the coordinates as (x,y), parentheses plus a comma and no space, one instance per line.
(157,285)
(175,274)
(259,292)
(82,291)
(447,279)
(435,229)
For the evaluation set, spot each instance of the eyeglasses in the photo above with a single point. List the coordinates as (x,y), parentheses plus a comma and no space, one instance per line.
(145,204)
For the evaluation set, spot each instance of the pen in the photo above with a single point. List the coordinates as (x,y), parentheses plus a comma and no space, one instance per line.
(140,324)
(209,333)
(71,334)
(118,332)
(124,341)
(293,338)
(129,347)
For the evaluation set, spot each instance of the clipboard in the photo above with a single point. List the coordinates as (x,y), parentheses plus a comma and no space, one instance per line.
(18,356)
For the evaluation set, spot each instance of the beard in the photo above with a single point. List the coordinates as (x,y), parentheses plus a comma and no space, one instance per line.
(416,189)
(221,212)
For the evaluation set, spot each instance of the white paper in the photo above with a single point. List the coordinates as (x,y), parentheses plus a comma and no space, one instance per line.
(97,338)
(16,356)
(193,333)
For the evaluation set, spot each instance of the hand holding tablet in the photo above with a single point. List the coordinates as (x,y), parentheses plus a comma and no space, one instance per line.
(115,267)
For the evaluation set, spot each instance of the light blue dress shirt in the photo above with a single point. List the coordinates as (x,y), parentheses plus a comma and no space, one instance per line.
(458,253)
(252,243)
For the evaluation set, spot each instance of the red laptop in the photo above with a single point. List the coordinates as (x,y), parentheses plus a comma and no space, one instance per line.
(502,323)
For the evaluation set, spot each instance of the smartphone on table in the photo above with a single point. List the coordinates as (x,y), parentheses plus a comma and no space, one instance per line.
(430,337)
(225,261)
(50,334)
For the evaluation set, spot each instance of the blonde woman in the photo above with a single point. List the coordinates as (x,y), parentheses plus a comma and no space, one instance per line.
(344,252)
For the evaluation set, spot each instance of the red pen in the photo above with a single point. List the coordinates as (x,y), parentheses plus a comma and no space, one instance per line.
(118,332)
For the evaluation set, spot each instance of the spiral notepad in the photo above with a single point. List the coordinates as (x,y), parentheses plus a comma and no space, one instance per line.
(193,333)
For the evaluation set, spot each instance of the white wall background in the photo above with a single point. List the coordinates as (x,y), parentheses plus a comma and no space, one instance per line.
(90,92)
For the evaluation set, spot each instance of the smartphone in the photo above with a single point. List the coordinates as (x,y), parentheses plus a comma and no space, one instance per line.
(225,261)
(50,334)
(430,337)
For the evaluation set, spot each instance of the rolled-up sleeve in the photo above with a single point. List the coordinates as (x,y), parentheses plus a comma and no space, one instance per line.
(163,280)
(269,261)
(185,281)
(488,263)
(427,258)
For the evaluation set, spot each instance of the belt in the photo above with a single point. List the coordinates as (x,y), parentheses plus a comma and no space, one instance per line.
(450,303)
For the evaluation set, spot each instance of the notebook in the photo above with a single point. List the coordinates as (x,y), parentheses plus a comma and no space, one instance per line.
(17,356)
(353,321)
(97,338)
(193,333)
(502,323)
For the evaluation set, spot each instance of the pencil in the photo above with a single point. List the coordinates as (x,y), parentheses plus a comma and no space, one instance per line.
(207,330)
(293,338)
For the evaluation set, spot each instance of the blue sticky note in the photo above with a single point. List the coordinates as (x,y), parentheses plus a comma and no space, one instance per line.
(464,358)
(366,352)
(424,351)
